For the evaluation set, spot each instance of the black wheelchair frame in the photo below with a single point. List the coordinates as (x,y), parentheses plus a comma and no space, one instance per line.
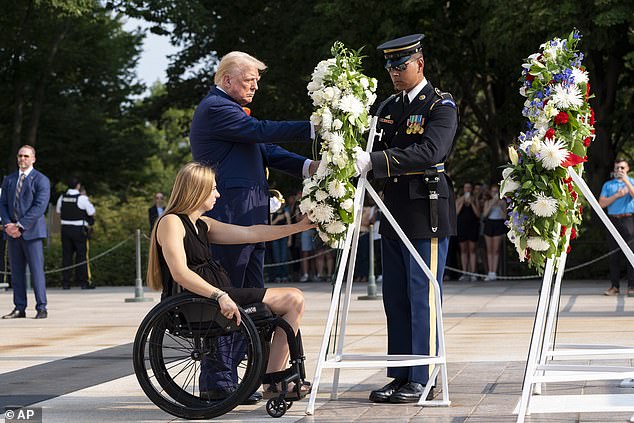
(184,332)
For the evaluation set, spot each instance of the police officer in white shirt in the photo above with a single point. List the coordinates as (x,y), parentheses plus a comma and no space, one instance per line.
(77,215)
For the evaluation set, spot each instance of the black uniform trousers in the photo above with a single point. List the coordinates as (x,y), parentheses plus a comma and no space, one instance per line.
(74,251)
(625,226)
(409,301)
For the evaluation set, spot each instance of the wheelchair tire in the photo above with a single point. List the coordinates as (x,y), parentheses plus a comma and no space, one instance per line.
(171,344)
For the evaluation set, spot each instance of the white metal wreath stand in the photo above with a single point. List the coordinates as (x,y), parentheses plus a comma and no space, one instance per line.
(340,360)
(542,347)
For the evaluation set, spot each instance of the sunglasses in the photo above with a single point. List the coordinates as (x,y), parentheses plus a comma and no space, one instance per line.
(399,68)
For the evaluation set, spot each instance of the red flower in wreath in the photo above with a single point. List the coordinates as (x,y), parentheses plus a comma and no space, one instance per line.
(568,249)
(573,233)
(591,117)
(550,134)
(573,160)
(587,141)
(562,118)
(530,77)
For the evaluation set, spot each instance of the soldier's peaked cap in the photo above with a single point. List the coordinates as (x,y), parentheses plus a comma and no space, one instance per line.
(399,50)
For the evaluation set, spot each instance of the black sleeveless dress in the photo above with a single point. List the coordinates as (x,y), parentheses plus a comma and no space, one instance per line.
(200,260)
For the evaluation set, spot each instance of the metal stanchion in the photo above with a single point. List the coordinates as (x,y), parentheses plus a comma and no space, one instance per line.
(371,279)
(138,288)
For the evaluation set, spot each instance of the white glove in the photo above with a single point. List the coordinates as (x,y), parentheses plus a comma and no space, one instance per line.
(362,162)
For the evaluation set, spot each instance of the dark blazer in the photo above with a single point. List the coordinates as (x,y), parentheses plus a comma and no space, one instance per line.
(224,136)
(401,151)
(152,215)
(34,198)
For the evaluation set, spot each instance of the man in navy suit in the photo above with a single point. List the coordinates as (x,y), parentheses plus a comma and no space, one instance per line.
(224,135)
(23,201)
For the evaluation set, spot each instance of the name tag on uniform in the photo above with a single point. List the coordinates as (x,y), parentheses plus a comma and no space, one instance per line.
(387,120)
(415,124)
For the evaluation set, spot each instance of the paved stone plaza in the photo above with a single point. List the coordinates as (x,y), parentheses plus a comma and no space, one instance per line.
(77,366)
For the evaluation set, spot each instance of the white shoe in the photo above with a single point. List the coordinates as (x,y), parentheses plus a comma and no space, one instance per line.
(627,383)
(304,278)
(473,278)
(491,276)
(463,278)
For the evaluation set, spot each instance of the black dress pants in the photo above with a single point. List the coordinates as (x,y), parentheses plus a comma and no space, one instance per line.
(74,251)
(625,226)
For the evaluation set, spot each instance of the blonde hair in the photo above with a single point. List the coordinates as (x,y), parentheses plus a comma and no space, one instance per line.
(234,62)
(193,185)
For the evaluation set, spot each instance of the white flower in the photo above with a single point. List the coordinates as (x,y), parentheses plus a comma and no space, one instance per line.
(337,124)
(340,160)
(313,86)
(329,94)
(336,189)
(324,236)
(309,186)
(335,227)
(543,205)
(315,119)
(579,76)
(364,83)
(323,213)
(306,205)
(336,143)
(326,118)
(552,153)
(550,110)
(321,195)
(350,104)
(323,170)
(567,97)
(537,244)
(507,186)
(523,91)
(348,205)
(516,240)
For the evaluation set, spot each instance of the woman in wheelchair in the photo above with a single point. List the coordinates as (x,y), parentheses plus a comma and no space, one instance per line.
(180,260)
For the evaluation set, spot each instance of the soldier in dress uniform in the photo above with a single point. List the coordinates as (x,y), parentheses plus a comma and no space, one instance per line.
(419,124)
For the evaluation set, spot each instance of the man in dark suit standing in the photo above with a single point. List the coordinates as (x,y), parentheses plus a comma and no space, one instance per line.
(224,135)
(156,210)
(419,124)
(24,198)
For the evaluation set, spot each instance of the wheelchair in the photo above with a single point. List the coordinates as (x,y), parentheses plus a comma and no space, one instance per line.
(186,330)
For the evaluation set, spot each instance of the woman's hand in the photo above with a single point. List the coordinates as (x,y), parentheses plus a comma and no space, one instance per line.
(229,309)
(305,223)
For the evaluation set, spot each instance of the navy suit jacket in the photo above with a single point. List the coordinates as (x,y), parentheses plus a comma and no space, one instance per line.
(34,198)
(237,145)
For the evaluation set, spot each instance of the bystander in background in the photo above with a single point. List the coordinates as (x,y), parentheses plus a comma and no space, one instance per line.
(157,209)
(77,218)
(617,195)
(494,212)
(468,211)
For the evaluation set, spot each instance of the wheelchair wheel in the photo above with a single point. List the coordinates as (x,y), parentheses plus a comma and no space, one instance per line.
(173,341)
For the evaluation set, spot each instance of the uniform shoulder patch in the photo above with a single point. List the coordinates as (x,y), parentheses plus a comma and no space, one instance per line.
(445,99)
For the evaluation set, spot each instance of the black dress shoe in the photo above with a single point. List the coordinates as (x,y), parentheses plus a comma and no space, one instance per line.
(384,394)
(15,314)
(41,314)
(410,392)
(217,394)
(89,286)
(254,398)
(65,287)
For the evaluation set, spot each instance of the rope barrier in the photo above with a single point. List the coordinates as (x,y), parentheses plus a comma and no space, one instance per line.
(61,269)
(269,265)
